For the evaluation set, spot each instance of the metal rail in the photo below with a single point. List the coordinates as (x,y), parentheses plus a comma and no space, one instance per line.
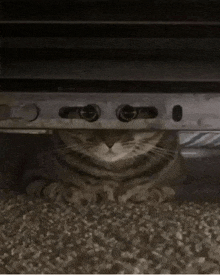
(111,110)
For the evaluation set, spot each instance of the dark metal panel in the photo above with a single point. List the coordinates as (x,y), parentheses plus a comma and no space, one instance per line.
(138,70)
(124,10)
(121,29)
(97,86)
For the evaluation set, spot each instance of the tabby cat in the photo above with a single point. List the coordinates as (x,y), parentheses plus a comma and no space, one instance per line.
(84,166)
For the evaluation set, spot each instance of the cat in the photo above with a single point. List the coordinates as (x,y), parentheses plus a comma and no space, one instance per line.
(83,166)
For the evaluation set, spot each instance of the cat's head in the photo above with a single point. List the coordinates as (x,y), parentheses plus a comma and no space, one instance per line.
(110,145)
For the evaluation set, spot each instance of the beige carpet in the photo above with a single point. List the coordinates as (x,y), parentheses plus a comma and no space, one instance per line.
(37,236)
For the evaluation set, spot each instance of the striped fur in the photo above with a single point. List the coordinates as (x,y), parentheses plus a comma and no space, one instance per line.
(114,164)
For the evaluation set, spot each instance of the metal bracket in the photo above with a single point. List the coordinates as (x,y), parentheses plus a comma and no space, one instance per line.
(23,110)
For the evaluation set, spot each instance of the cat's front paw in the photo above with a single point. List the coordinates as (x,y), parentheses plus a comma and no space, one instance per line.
(161,195)
(35,188)
(152,195)
(82,196)
(53,191)
(63,192)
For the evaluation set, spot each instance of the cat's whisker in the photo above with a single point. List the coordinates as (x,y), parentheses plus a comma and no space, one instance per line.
(163,154)
(161,148)
(155,155)
(128,143)
(164,151)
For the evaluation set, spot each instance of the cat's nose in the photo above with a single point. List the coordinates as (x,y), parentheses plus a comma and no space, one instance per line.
(110,138)
(109,143)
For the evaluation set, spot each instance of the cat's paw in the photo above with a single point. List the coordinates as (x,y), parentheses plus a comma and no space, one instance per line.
(153,195)
(53,191)
(82,196)
(161,195)
(63,192)
(35,188)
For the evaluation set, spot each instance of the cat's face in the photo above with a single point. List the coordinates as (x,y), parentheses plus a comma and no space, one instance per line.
(110,145)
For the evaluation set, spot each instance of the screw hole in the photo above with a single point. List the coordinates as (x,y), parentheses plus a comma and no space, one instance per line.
(177,113)
(126,113)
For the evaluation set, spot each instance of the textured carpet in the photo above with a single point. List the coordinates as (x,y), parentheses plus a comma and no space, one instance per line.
(37,236)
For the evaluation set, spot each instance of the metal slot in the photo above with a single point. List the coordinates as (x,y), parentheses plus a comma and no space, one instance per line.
(126,113)
(90,112)
(177,113)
